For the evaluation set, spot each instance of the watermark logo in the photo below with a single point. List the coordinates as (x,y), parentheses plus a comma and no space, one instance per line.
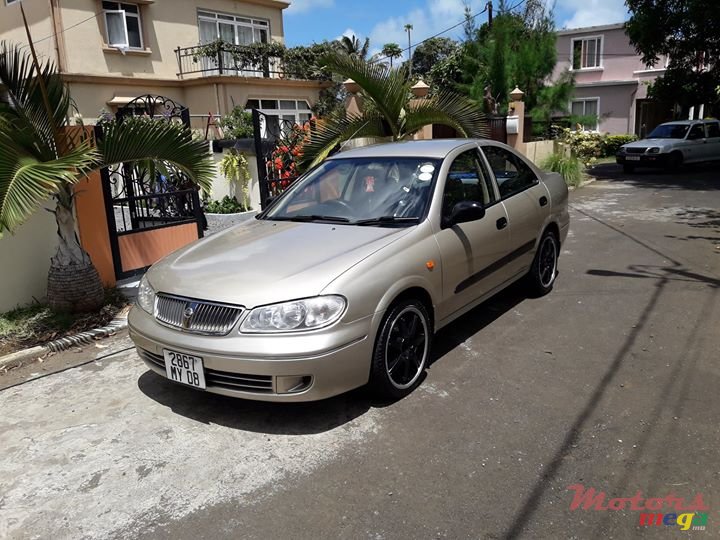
(668,511)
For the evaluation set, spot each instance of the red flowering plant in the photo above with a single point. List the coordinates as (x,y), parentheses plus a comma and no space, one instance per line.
(283,167)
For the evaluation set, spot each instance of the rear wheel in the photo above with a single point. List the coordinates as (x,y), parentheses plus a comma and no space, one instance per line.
(628,169)
(401,350)
(544,267)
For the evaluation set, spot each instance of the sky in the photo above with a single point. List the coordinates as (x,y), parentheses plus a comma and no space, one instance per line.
(383,21)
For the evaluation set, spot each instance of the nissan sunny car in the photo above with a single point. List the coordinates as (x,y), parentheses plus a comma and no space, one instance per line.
(344,279)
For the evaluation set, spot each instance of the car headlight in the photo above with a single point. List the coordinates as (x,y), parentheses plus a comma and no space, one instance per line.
(146,296)
(294,316)
(653,150)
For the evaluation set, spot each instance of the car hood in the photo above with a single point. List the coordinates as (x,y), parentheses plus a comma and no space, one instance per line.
(261,262)
(647,143)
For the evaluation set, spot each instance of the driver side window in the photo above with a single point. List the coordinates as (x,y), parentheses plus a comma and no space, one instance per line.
(696,132)
(466,182)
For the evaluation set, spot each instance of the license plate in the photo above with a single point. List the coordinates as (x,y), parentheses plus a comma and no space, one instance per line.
(184,368)
(632,158)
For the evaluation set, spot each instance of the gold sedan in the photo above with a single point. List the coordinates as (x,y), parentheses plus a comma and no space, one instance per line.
(346,277)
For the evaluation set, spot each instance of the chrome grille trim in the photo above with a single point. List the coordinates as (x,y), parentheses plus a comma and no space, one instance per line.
(210,318)
(635,150)
(258,384)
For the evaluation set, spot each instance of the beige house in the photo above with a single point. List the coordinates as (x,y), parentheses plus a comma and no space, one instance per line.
(112,52)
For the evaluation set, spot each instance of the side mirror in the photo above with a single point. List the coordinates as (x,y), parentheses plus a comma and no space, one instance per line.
(463,212)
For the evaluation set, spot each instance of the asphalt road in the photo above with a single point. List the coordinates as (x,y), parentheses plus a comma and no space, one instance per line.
(610,382)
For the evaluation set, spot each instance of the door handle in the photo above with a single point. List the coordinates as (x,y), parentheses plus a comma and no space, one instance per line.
(501,223)
(543,201)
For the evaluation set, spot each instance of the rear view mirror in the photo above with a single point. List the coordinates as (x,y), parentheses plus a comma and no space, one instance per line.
(463,212)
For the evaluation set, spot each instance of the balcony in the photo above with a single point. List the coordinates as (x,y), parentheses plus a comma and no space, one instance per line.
(262,60)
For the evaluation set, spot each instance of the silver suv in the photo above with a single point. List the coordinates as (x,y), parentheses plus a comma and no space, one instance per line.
(672,144)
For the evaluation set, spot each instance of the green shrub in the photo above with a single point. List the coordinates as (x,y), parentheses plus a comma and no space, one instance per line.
(238,124)
(228,205)
(612,143)
(568,167)
(585,145)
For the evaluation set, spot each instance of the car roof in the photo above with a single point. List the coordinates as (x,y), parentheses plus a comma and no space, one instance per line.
(687,122)
(435,148)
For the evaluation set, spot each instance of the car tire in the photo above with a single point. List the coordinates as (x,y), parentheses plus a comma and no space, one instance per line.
(402,350)
(628,169)
(543,271)
(676,160)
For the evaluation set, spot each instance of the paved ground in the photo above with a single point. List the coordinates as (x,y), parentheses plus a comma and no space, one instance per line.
(611,382)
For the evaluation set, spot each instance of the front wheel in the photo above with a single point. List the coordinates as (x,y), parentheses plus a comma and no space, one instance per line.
(544,267)
(401,350)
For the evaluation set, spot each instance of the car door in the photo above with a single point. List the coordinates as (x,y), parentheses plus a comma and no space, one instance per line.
(469,250)
(526,201)
(695,147)
(713,140)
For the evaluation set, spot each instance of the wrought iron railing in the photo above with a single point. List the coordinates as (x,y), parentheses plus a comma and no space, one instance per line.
(227,59)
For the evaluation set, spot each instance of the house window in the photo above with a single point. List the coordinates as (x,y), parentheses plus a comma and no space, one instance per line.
(122,23)
(233,29)
(280,114)
(585,113)
(587,53)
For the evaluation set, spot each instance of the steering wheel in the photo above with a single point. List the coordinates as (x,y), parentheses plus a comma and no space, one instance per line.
(339,204)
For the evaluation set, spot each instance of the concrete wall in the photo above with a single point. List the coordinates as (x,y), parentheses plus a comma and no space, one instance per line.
(538,151)
(617,105)
(221,187)
(40,22)
(25,258)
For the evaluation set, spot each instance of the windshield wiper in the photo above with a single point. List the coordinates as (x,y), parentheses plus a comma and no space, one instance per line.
(383,220)
(315,217)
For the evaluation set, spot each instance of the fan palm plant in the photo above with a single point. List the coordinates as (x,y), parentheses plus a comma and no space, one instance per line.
(40,158)
(388,110)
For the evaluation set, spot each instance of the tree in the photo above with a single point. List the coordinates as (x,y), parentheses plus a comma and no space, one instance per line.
(39,159)
(686,32)
(387,110)
(351,45)
(432,52)
(391,51)
(517,50)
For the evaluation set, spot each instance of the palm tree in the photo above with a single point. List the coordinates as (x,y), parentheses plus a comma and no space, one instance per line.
(351,45)
(40,159)
(391,51)
(388,110)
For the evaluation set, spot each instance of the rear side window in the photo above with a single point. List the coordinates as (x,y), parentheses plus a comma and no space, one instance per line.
(513,175)
(696,132)
(713,129)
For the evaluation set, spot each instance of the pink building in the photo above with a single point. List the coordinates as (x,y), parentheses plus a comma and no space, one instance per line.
(610,79)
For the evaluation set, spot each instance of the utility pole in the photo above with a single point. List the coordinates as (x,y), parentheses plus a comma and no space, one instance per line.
(489,8)
(408,29)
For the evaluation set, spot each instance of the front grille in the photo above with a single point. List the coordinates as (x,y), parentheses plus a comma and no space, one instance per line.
(632,150)
(196,315)
(259,384)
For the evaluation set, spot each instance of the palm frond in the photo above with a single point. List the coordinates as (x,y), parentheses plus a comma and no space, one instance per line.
(138,140)
(388,89)
(449,109)
(26,182)
(336,129)
(24,106)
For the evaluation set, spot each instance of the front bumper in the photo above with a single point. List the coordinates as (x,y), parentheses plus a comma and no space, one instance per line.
(643,160)
(290,367)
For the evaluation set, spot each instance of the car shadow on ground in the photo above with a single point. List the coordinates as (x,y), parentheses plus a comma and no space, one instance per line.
(319,416)
(699,176)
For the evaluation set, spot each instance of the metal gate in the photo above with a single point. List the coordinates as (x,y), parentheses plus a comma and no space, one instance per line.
(278,148)
(149,213)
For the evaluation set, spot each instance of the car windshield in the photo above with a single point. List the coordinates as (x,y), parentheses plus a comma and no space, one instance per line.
(360,191)
(668,131)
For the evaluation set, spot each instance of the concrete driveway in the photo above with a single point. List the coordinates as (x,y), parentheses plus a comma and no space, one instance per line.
(610,382)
